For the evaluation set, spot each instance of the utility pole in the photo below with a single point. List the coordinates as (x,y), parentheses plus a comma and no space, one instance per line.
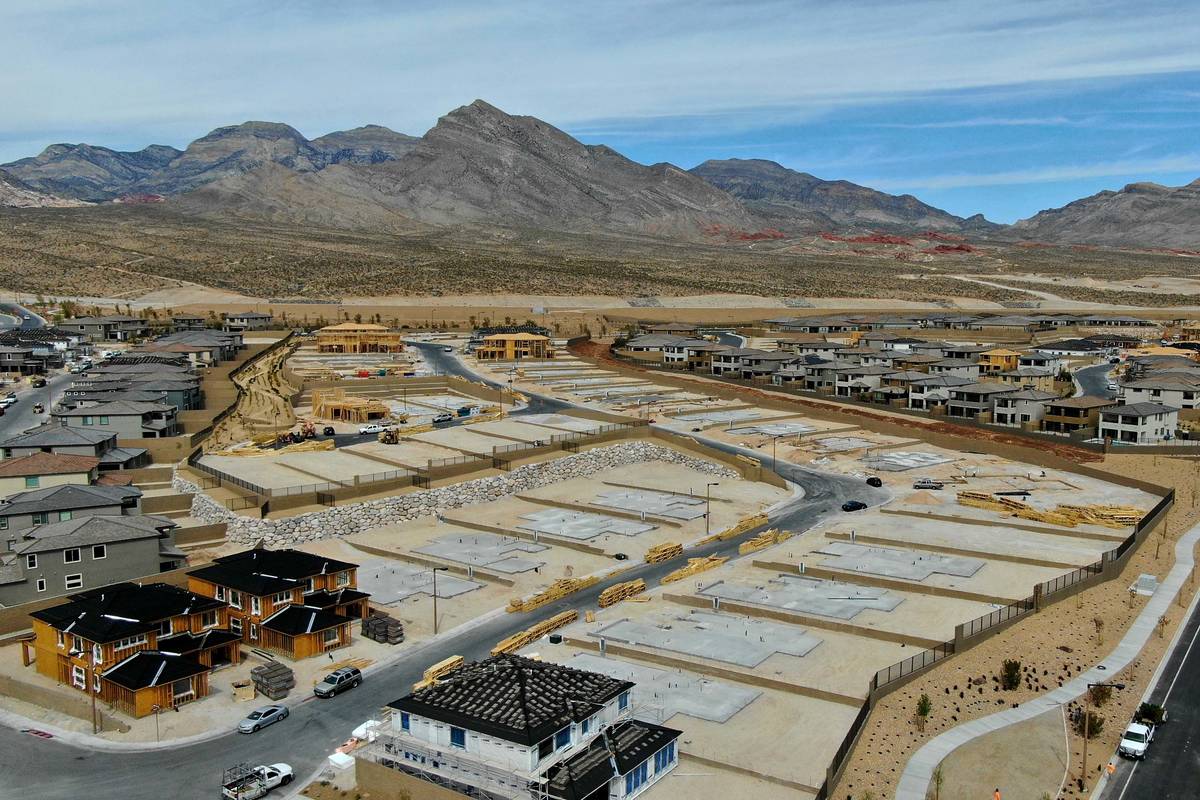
(436,570)
(708,506)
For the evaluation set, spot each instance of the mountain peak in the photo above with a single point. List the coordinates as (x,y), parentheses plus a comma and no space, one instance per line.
(257,129)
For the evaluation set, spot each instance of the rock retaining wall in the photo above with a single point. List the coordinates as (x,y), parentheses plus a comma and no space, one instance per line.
(359,517)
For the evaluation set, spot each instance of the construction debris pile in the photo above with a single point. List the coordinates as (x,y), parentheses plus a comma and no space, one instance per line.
(694,567)
(557,590)
(534,632)
(274,680)
(1068,516)
(383,628)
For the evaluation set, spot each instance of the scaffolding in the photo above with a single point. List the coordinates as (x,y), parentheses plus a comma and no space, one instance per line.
(335,404)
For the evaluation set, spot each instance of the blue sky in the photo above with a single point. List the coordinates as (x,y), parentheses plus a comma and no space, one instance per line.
(1003,109)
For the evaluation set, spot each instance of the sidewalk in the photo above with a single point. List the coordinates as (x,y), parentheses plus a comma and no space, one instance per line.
(914,782)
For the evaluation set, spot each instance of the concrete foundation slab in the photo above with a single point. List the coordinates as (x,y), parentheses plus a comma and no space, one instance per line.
(579,525)
(722,637)
(484,550)
(392,581)
(913,565)
(675,506)
(773,429)
(819,597)
(900,460)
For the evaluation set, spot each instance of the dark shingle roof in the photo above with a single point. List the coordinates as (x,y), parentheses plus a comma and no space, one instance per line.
(67,496)
(632,742)
(261,571)
(123,609)
(148,668)
(91,530)
(53,435)
(293,620)
(514,698)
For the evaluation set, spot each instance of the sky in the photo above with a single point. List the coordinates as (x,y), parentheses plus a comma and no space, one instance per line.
(976,107)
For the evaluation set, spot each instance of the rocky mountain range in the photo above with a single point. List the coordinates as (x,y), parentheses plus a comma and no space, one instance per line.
(481,167)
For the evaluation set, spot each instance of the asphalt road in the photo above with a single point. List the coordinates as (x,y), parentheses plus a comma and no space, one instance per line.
(1171,770)
(33,767)
(21,417)
(1094,380)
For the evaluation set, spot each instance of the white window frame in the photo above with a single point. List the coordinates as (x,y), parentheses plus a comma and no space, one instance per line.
(31,561)
(67,556)
(342,578)
(235,625)
(103,548)
(216,619)
(253,632)
(79,677)
(282,599)
(73,581)
(41,587)
(255,605)
(235,599)
(219,593)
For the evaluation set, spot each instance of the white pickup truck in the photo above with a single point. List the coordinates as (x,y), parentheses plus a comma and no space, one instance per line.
(250,783)
(1136,739)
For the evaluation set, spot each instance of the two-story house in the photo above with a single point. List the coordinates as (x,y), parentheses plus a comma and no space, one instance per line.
(44,470)
(1139,423)
(61,557)
(976,400)
(1023,409)
(63,440)
(287,601)
(933,392)
(1073,415)
(23,510)
(128,420)
(512,727)
(135,646)
(1177,392)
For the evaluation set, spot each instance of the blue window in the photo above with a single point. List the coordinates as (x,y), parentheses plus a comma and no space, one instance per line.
(637,778)
(664,758)
(458,737)
(562,738)
(586,726)
(623,701)
(405,721)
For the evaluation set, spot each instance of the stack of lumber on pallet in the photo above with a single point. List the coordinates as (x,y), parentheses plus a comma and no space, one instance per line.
(737,530)
(694,566)
(763,540)
(382,628)
(556,591)
(533,633)
(620,591)
(438,670)
(1109,516)
(274,680)
(664,552)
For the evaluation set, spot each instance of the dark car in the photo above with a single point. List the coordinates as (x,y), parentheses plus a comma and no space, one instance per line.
(874,481)
(853,505)
(338,681)
(328,430)
(38,383)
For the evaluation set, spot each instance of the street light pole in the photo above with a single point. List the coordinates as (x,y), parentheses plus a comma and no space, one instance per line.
(1087,725)
(708,506)
(436,570)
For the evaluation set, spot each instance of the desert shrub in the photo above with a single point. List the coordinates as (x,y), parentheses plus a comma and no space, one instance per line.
(1095,724)
(1100,695)
(1010,675)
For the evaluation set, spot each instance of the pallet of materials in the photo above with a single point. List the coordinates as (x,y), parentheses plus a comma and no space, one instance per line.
(763,540)
(534,632)
(438,670)
(694,567)
(382,628)
(274,680)
(556,591)
(620,591)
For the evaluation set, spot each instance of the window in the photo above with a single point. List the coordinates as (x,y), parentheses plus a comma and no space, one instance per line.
(97,653)
(220,593)
(164,628)
(545,748)
(282,598)
(253,632)
(74,581)
(3,523)
(40,518)
(235,598)
(664,758)
(562,738)
(310,585)
(130,641)
(458,737)
(208,619)
(586,726)
(623,701)
(637,778)
(255,606)
(87,420)
(99,551)
(181,689)
(64,516)
(41,584)
(78,677)
(71,556)
(32,481)
(405,721)
(343,578)
(31,561)
(235,625)
(103,420)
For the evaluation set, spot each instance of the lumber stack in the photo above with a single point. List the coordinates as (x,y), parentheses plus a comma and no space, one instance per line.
(1119,517)
(438,670)
(383,628)
(664,552)
(764,540)
(694,566)
(1014,508)
(555,591)
(308,446)
(737,530)
(620,591)
(274,680)
(534,632)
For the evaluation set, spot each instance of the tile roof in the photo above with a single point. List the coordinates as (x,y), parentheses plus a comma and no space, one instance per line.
(1139,410)
(116,408)
(514,698)
(46,464)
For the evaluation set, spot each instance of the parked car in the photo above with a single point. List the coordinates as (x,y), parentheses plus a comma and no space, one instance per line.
(1112,387)
(874,481)
(338,681)
(38,408)
(1136,739)
(38,383)
(853,505)
(443,418)
(928,483)
(262,717)
(243,783)
(447,349)
(328,430)
(8,400)
(374,427)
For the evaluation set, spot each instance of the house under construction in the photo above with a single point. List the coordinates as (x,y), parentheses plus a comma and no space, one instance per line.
(358,337)
(334,404)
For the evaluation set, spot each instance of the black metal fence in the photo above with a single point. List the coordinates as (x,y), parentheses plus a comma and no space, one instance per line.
(834,771)
(902,669)
(998,617)
(1072,578)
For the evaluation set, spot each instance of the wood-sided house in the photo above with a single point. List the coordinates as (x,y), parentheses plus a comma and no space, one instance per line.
(286,601)
(137,645)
